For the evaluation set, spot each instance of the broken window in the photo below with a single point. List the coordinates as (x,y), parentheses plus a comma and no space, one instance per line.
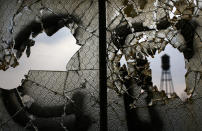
(43,100)
(48,53)
(69,100)
(138,30)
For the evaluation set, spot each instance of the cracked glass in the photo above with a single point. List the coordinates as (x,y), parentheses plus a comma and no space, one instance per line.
(69,100)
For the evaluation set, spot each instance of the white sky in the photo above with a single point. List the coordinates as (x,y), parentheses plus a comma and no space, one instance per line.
(177,68)
(53,53)
(48,53)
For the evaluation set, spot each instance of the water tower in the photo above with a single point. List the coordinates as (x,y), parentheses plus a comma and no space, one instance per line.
(166,78)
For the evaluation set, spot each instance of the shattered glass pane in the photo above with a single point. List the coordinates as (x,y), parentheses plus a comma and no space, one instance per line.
(69,100)
(60,48)
(137,30)
(50,99)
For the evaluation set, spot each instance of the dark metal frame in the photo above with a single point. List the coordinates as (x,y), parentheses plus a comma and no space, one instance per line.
(102,63)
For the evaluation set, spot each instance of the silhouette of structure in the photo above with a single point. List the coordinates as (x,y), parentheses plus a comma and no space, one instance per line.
(166,78)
